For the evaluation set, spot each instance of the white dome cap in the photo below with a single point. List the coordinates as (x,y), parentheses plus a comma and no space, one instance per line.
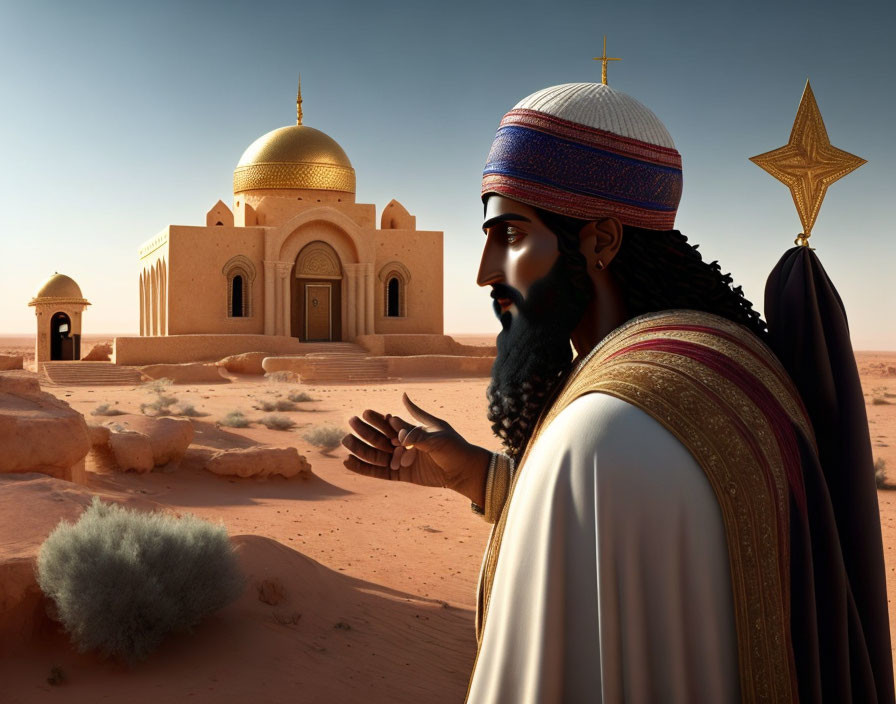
(598,106)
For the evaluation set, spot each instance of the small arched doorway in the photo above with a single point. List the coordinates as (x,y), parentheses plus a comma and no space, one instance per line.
(63,345)
(393,298)
(316,294)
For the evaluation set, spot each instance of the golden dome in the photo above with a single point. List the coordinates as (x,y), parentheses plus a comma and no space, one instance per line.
(298,157)
(60,286)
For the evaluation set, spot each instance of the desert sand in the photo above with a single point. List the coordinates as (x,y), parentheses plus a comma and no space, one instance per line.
(359,589)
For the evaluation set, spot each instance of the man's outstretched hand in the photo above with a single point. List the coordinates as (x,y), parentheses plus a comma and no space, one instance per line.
(429,454)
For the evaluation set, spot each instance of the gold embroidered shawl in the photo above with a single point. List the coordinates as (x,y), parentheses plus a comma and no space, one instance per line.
(726,397)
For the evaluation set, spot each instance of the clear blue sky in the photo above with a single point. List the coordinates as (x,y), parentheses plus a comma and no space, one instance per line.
(119,119)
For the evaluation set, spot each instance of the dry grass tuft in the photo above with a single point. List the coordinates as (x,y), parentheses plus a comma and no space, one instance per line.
(278,404)
(234,419)
(106,409)
(300,396)
(325,437)
(275,422)
(880,474)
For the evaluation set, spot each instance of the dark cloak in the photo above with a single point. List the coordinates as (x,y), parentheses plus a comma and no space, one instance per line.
(840,623)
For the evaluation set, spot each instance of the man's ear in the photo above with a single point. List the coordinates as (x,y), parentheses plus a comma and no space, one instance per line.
(599,241)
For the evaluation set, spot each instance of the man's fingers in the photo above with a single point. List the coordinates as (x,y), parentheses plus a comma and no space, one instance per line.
(368,470)
(396,457)
(420,414)
(370,435)
(397,424)
(408,458)
(415,436)
(380,422)
(365,452)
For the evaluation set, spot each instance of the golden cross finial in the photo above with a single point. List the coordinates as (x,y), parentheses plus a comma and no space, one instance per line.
(299,103)
(604,58)
(808,163)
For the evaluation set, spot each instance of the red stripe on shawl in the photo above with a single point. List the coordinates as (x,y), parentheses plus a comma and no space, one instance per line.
(755,391)
(785,380)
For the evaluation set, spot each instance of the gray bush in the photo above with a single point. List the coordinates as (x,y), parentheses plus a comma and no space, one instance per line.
(299,396)
(275,422)
(880,474)
(158,386)
(325,437)
(235,419)
(122,580)
(278,404)
(282,377)
(106,409)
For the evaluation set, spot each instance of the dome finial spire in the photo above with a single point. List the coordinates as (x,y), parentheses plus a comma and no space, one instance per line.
(299,103)
(604,58)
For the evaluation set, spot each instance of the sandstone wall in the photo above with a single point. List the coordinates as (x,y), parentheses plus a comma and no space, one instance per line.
(175,349)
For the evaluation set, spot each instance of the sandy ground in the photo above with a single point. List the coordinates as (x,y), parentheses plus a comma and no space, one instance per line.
(378,577)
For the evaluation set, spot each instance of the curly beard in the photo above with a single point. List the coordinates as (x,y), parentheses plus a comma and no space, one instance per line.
(534,352)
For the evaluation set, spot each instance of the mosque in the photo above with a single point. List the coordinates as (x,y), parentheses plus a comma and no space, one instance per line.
(295,256)
(295,260)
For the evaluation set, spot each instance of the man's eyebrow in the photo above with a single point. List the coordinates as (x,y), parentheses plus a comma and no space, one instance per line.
(503,217)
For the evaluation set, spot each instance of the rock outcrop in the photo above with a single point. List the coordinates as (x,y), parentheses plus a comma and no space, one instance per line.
(246,363)
(11,361)
(39,432)
(99,353)
(141,443)
(132,451)
(189,373)
(260,462)
(169,437)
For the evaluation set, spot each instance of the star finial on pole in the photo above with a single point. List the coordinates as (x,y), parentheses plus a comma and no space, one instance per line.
(603,58)
(299,103)
(808,163)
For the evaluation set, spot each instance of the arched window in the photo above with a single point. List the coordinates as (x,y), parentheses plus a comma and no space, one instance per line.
(395,277)
(236,297)
(239,273)
(392,297)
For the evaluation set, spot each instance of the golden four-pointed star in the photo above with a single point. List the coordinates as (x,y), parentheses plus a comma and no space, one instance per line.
(808,163)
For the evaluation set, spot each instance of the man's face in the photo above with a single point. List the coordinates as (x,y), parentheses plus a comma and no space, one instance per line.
(538,304)
(519,250)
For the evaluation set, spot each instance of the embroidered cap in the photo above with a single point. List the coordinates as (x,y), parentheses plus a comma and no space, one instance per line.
(587,151)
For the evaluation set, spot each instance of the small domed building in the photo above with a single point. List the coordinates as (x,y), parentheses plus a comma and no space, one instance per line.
(58,306)
(295,256)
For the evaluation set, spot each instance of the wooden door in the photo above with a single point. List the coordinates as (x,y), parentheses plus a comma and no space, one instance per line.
(318,312)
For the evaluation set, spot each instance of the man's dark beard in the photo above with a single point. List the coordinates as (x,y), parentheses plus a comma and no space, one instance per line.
(534,353)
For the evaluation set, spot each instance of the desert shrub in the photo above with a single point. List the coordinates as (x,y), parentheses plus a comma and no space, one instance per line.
(299,396)
(122,580)
(282,376)
(278,404)
(880,474)
(160,407)
(106,409)
(325,437)
(235,419)
(158,386)
(186,409)
(275,422)
(170,406)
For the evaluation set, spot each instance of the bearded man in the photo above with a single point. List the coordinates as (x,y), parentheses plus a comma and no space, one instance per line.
(663,531)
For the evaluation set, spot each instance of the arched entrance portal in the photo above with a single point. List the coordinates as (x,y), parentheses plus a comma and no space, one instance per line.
(316,291)
(63,345)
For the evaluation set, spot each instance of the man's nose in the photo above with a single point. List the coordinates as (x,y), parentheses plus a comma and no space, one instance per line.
(491,268)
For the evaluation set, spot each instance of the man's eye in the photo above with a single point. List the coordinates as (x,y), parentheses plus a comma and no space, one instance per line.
(513,234)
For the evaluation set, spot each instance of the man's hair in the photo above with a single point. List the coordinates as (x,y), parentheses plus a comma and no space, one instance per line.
(658,270)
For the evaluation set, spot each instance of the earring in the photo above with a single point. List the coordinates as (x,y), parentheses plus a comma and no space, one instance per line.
(600,263)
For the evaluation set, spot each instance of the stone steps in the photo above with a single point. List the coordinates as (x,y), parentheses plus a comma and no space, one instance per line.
(343,368)
(79,373)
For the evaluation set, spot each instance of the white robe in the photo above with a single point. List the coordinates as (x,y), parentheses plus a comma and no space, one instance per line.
(613,583)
